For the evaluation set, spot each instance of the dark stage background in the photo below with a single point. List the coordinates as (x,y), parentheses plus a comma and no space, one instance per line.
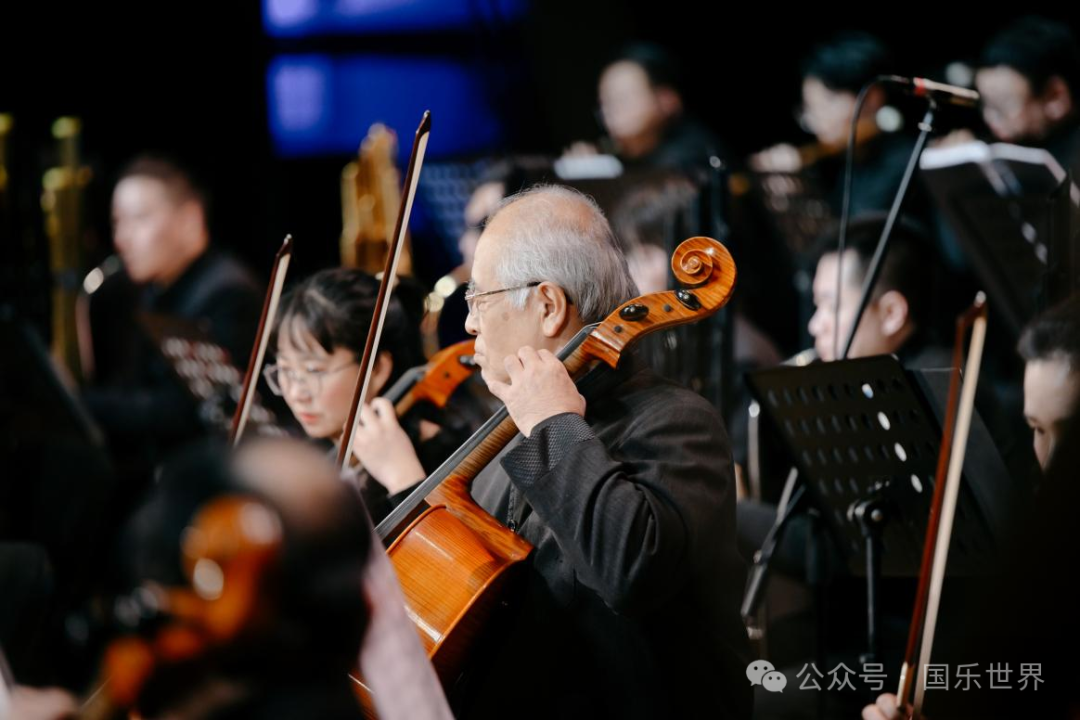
(191,79)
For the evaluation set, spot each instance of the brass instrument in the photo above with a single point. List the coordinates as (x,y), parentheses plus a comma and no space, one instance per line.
(6,123)
(62,204)
(370,196)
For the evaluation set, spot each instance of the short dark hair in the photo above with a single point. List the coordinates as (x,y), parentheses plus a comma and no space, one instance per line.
(848,61)
(1054,333)
(179,180)
(1038,49)
(905,267)
(660,67)
(337,306)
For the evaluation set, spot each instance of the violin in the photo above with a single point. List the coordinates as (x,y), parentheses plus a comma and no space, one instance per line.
(436,381)
(808,155)
(228,551)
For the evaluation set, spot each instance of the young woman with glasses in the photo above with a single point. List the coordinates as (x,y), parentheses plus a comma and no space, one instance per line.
(319,337)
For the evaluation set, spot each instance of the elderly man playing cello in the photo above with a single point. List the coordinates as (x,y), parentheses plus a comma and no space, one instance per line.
(632,593)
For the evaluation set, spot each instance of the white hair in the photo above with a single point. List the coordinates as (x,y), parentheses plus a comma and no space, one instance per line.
(561,236)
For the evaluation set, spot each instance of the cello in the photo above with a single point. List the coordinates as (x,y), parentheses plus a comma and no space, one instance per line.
(454,561)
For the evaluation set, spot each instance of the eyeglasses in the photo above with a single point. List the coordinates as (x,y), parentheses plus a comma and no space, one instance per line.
(281,379)
(471,296)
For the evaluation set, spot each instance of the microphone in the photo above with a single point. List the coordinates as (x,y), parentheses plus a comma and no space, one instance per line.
(941,92)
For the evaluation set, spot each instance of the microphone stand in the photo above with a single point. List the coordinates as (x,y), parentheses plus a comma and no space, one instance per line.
(872,273)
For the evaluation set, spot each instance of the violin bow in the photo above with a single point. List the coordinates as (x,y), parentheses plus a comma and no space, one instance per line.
(382,301)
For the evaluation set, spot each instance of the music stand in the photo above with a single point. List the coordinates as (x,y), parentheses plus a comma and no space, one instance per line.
(1012,209)
(865,436)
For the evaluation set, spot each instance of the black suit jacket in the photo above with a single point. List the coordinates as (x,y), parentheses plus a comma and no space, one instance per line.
(140,398)
(631,604)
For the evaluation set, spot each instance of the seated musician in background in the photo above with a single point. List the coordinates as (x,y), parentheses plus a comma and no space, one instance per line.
(631,601)
(1029,79)
(641,107)
(903,317)
(319,336)
(811,194)
(161,233)
(908,314)
(897,318)
(832,76)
